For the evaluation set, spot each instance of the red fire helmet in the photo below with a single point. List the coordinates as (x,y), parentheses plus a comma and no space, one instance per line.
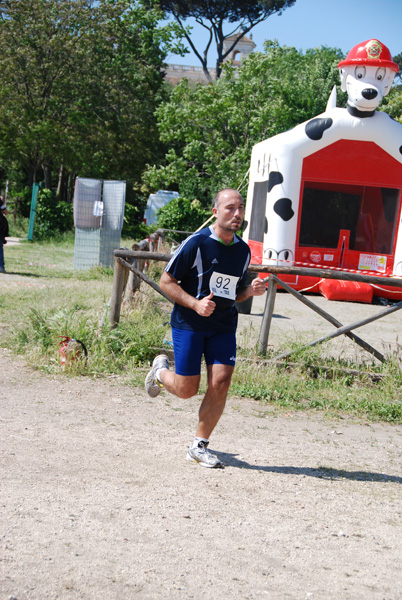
(371,53)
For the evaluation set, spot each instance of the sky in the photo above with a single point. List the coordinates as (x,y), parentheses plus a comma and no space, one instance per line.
(315,23)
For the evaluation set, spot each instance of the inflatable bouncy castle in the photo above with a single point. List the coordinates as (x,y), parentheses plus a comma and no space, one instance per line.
(327,194)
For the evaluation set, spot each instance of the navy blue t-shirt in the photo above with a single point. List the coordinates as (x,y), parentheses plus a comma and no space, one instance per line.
(201,264)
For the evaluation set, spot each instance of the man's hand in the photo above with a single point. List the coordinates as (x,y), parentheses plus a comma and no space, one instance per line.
(258,286)
(206,306)
(170,286)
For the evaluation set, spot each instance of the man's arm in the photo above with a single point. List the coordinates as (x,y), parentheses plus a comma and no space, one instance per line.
(169,285)
(257,288)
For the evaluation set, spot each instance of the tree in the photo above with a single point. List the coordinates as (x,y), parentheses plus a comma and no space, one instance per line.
(398,60)
(212,14)
(392,104)
(210,130)
(37,56)
(79,84)
(122,88)
(181,214)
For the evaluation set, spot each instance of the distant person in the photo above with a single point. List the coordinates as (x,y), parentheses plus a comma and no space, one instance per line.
(3,232)
(205,277)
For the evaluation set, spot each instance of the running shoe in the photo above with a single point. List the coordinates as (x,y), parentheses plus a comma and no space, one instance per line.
(152,385)
(201,455)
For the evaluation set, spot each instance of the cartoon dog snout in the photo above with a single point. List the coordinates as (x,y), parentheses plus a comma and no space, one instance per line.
(369,93)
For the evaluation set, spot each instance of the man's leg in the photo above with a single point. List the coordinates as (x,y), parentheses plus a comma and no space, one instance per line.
(213,404)
(219,349)
(210,412)
(183,386)
(188,350)
(2,269)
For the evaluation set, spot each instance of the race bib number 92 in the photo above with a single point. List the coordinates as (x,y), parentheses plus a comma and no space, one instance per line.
(223,286)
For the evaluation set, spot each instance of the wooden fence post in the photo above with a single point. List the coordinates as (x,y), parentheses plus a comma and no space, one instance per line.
(119,280)
(144,277)
(134,282)
(267,318)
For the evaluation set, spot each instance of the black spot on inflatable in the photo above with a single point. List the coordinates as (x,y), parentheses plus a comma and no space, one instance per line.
(275,178)
(283,208)
(400,149)
(316,128)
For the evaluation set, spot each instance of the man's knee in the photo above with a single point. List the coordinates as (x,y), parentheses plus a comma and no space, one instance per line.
(220,377)
(186,387)
(220,386)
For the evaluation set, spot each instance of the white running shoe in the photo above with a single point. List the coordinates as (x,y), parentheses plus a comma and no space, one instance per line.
(201,455)
(152,385)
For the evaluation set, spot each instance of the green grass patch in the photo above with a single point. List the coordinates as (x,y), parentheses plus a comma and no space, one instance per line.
(110,351)
(325,385)
(52,258)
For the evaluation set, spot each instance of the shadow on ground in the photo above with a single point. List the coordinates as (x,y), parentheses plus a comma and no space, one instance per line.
(230,460)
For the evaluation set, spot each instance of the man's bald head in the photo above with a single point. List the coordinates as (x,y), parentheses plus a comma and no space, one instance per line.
(223,193)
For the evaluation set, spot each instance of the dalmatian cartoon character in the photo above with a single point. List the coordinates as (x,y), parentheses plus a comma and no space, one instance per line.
(367,75)
(328,192)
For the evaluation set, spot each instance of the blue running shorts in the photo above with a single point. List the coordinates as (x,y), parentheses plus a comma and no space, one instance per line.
(189,346)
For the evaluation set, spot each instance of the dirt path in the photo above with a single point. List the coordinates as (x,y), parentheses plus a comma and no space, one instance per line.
(98,501)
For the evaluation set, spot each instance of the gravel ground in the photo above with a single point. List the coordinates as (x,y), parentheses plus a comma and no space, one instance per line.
(98,500)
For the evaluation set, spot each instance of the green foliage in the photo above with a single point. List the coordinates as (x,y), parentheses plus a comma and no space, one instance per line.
(133,227)
(182,214)
(79,84)
(398,60)
(210,130)
(19,228)
(332,390)
(52,217)
(111,350)
(392,104)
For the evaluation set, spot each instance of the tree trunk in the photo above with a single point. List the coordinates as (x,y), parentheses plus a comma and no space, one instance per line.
(32,170)
(70,187)
(134,282)
(206,73)
(60,184)
(47,174)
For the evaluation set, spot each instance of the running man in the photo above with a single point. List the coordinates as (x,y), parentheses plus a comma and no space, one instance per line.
(205,277)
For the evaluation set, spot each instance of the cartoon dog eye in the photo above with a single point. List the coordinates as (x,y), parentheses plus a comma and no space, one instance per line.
(360,72)
(285,255)
(380,74)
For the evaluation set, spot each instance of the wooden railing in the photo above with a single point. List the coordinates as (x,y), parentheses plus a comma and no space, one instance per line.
(124,264)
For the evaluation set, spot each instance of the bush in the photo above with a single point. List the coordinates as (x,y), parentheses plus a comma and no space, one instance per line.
(52,216)
(116,350)
(182,214)
(133,227)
